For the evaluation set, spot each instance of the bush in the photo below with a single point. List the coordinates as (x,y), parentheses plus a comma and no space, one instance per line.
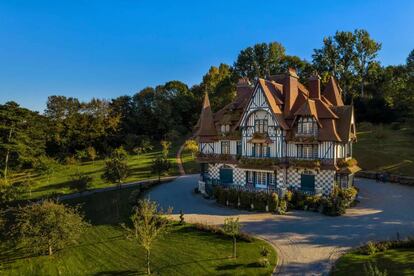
(273,202)
(282,207)
(313,202)
(263,262)
(215,229)
(80,181)
(259,201)
(245,200)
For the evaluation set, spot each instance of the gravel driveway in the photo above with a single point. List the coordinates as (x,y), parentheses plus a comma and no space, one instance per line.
(308,243)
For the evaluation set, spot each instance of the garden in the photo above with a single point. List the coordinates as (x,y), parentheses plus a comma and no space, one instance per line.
(333,205)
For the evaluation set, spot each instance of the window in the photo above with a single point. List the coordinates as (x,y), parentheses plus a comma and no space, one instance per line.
(261,178)
(249,176)
(239,148)
(225,147)
(307,126)
(308,151)
(225,128)
(272,179)
(260,126)
(261,150)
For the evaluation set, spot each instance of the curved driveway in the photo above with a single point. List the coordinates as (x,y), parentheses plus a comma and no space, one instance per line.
(308,243)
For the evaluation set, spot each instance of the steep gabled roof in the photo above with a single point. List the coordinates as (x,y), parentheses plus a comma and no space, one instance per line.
(328,131)
(344,123)
(332,93)
(206,125)
(307,109)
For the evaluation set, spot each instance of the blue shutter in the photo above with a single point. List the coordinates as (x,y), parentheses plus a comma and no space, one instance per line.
(268,151)
(254,150)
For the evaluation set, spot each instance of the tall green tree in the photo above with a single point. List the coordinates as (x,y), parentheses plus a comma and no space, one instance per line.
(260,60)
(349,57)
(366,50)
(219,84)
(21,137)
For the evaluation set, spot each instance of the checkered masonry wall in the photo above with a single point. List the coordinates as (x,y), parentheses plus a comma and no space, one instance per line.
(324,179)
(239,176)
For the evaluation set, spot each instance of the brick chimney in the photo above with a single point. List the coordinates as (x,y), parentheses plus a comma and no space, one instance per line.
(315,86)
(290,89)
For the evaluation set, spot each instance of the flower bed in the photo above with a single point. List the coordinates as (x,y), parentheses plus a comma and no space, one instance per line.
(303,163)
(333,205)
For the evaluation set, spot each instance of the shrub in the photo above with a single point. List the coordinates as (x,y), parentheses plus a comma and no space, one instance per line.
(215,229)
(233,197)
(372,269)
(282,207)
(245,200)
(263,262)
(288,196)
(313,202)
(273,202)
(259,201)
(70,160)
(80,181)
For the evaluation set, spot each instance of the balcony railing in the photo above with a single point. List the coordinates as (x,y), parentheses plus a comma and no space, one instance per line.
(271,163)
(216,158)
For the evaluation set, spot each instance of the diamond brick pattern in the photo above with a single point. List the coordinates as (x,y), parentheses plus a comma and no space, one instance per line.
(324,179)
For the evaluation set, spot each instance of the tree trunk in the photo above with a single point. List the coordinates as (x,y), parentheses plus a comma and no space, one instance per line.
(50,249)
(234,247)
(6,163)
(148,263)
(362,88)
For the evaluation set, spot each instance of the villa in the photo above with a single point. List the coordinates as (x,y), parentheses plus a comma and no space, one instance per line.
(278,134)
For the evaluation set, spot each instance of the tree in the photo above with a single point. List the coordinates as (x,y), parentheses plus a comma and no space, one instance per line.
(191,146)
(260,60)
(21,137)
(219,84)
(349,57)
(366,51)
(9,191)
(46,166)
(166,145)
(116,168)
(148,224)
(232,228)
(159,166)
(91,153)
(336,57)
(48,226)
(410,63)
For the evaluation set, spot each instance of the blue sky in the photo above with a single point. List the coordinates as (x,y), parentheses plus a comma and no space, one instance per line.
(106,49)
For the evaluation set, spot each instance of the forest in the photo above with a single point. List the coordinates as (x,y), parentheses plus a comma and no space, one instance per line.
(69,128)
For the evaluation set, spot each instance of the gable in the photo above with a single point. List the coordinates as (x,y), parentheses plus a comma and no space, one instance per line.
(262,99)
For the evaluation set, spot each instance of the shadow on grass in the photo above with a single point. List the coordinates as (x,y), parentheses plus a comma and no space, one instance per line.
(119,272)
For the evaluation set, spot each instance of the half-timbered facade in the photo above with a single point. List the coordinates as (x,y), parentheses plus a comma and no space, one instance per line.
(278,134)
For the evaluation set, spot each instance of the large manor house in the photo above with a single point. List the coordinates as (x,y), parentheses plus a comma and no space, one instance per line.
(279,134)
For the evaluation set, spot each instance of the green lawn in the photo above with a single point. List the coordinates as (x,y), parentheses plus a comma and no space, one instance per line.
(140,169)
(394,261)
(381,148)
(190,166)
(104,249)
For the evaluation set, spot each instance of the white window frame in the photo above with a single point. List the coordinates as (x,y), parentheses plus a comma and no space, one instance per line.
(261,180)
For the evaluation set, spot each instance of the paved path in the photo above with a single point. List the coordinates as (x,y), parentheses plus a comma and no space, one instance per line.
(308,243)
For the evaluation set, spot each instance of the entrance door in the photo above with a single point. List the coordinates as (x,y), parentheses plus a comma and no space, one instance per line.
(226,175)
(307,182)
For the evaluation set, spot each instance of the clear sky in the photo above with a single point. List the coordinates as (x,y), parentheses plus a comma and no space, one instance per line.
(106,49)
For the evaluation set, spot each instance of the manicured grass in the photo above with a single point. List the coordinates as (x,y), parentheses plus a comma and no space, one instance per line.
(190,166)
(105,250)
(381,148)
(394,261)
(59,182)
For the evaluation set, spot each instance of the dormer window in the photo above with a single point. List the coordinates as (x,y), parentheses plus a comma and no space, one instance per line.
(260,126)
(307,126)
(225,128)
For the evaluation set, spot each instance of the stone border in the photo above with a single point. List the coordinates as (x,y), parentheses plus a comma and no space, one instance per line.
(394,178)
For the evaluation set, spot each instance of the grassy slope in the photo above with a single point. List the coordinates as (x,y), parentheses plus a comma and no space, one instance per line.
(104,249)
(382,149)
(394,261)
(140,169)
